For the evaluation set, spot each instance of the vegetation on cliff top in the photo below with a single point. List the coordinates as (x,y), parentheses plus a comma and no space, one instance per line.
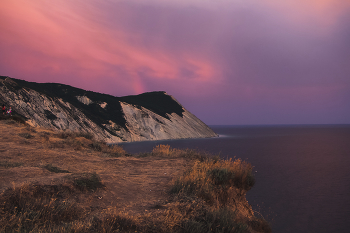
(82,185)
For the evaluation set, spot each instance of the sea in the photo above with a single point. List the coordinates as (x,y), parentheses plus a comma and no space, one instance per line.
(302,171)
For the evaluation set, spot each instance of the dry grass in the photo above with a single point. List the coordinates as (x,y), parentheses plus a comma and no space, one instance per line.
(67,182)
(210,197)
(216,180)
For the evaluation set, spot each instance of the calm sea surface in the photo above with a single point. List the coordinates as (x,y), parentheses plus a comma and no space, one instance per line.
(303,172)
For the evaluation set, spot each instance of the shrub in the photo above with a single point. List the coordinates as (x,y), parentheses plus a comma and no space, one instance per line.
(112,150)
(55,169)
(97,146)
(26,135)
(65,134)
(87,181)
(221,176)
(115,151)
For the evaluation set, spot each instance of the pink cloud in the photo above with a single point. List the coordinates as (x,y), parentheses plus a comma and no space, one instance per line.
(63,39)
(226,53)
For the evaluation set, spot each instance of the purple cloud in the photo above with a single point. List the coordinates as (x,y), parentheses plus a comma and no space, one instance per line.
(228,62)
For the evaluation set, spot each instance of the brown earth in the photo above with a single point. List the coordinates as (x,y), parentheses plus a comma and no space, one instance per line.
(133,185)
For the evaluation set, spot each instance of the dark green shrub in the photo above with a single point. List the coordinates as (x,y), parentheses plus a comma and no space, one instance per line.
(250,181)
(221,176)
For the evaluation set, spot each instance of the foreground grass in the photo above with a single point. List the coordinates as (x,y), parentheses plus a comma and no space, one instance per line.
(208,197)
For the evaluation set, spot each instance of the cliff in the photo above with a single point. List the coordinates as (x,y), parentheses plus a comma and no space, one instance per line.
(148,116)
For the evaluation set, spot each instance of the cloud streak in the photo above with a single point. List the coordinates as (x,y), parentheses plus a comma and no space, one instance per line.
(234,62)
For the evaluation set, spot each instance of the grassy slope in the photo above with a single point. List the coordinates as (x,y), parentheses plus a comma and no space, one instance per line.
(61,182)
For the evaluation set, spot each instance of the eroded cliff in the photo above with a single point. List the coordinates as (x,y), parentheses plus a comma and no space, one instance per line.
(149,116)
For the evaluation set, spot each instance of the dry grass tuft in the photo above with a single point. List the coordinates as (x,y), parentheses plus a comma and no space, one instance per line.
(216,180)
(109,150)
(37,208)
(162,150)
(168,152)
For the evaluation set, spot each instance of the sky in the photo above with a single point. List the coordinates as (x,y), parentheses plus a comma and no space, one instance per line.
(229,62)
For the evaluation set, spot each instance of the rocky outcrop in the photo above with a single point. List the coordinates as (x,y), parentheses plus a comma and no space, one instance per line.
(149,116)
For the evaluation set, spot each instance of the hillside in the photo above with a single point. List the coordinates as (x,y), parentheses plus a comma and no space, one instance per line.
(148,116)
(55,181)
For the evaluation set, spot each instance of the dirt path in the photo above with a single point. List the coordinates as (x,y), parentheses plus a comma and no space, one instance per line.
(134,185)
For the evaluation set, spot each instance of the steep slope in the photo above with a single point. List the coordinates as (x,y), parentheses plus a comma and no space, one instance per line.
(149,116)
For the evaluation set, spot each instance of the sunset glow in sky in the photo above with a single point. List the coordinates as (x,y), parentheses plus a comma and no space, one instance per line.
(226,61)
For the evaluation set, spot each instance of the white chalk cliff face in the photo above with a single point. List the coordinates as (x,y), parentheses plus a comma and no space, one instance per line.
(144,124)
(149,116)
